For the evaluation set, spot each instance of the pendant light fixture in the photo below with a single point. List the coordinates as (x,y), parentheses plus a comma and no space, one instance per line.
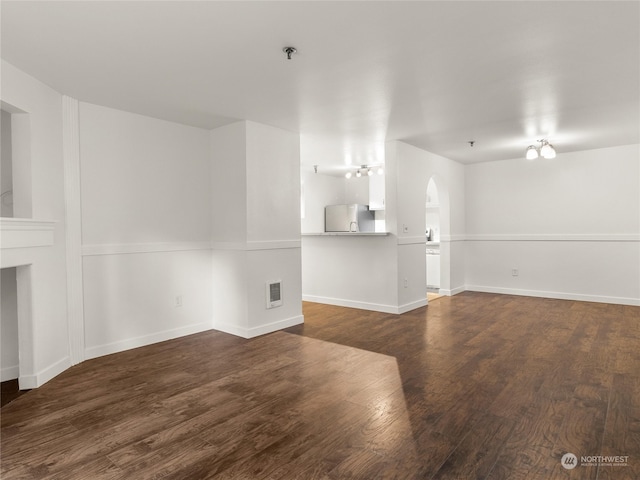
(545,149)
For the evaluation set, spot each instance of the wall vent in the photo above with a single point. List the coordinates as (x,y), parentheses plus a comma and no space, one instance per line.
(274,294)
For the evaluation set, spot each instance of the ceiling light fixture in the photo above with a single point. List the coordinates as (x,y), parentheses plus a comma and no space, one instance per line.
(365,169)
(545,149)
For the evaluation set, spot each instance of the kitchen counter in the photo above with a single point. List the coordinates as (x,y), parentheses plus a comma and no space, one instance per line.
(346,234)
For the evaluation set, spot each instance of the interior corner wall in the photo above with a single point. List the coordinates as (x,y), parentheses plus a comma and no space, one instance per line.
(256,192)
(146,225)
(570,226)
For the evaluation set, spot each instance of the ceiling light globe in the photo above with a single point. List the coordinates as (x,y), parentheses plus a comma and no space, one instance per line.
(532,153)
(380,171)
(547,151)
(347,175)
(358,174)
(369,172)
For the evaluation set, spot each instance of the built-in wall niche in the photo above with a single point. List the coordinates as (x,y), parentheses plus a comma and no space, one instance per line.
(15,162)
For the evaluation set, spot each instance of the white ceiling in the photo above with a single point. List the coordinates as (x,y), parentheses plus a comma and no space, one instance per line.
(434,74)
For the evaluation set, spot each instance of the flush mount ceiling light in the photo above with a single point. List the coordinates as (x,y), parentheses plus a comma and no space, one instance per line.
(365,170)
(545,149)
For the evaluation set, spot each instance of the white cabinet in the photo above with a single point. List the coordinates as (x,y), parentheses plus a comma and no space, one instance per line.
(433,267)
(376,192)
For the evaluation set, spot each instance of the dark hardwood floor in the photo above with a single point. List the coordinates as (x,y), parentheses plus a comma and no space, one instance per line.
(472,386)
(9,391)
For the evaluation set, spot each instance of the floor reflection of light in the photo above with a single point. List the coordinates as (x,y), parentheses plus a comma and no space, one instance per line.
(364,379)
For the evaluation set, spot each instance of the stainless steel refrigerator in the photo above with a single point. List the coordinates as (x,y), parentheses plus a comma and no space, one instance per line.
(348,218)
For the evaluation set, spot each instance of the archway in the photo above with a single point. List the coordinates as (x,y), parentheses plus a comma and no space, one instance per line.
(437,221)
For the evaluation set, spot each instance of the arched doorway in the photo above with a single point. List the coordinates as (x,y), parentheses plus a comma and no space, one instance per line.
(437,221)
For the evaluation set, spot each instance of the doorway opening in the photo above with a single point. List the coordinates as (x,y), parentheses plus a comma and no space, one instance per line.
(433,237)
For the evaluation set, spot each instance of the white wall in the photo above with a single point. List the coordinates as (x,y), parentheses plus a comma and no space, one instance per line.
(256,194)
(570,226)
(415,168)
(146,226)
(143,180)
(351,271)
(228,183)
(319,191)
(41,179)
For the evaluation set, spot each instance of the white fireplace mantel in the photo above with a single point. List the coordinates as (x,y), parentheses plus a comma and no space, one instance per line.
(26,233)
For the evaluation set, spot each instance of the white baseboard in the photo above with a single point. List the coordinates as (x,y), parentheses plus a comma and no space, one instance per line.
(260,330)
(9,373)
(557,295)
(374,307)
(407,307)
(453,291)
(129,343)
(43,376)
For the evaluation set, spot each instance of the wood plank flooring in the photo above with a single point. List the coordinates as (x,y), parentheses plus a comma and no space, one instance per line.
(472,386)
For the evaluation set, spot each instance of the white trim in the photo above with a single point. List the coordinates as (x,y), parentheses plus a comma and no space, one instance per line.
(43,376)
(454,291)
(9,373)
(24,224)
(237,246)
(26,233)
(73,224)
(127,248)
(255,245)
(412,240)
(407,307)
(554,237)
(341,302)
(557,295)
(374,307)
(260,330)
(456,237)
(130,343)
(272,244)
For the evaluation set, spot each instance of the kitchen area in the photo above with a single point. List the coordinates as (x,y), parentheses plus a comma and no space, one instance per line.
(350,257)
(346,261)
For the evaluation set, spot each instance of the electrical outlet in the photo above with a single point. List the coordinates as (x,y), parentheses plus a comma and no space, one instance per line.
(406,283)
(514,272)
(405,229)
(178,301)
